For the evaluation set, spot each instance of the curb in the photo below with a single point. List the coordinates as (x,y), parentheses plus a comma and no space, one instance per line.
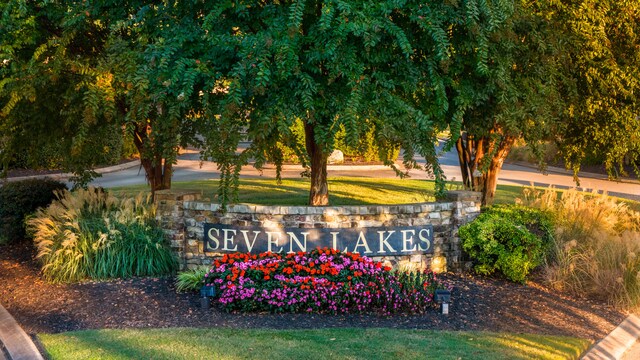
(17,344)
(558,170)
(334,167)
(63,176)
(614,345)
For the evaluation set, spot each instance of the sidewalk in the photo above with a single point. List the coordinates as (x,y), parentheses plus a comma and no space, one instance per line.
(563,171)
(620,344)
(14,342)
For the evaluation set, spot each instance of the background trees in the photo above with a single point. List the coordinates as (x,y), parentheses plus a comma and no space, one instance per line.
(77,73)
(561,71)
(602,118)
(47,88)
(170,74)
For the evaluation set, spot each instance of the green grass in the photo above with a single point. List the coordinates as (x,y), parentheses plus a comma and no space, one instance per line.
(342,191)
(306,344)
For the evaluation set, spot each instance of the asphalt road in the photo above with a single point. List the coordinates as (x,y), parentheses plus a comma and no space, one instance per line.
(189,167)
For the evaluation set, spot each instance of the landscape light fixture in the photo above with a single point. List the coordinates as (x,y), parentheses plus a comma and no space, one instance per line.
(443,297)
(206,292)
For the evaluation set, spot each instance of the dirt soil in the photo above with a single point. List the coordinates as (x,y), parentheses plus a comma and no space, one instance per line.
(478,303)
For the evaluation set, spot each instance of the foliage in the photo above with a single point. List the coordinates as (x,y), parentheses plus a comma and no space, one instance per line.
(90,234)
(517,95)
(321,281)
(365,150)
(133,66)
(293,344)
(355,65)
(596,251)
(548,154)
(21,198)
(510,239)
(191,280)
(49,116)
(601,119)
(561,71)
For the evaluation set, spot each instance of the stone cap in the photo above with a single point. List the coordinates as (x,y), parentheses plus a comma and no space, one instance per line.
(463,195)
(322,210)
(185,195)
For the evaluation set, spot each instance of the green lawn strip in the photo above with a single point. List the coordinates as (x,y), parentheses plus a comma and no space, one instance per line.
(342,191)
(306,344)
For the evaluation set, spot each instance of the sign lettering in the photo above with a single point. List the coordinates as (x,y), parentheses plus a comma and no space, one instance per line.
(372,241)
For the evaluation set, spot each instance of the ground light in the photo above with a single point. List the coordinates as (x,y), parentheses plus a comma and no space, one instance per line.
(206,292)
(443,297)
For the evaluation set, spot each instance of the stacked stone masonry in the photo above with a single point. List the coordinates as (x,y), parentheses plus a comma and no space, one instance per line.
(182,216)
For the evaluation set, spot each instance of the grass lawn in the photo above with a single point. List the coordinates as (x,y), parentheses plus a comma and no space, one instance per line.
(342,191)
(306,344)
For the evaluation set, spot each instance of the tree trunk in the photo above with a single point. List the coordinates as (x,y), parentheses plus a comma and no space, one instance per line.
(490,177)
(157,170)
(471,154)
(319,191)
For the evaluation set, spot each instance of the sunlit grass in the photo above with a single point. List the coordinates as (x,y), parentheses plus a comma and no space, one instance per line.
(307,344)
(342,191)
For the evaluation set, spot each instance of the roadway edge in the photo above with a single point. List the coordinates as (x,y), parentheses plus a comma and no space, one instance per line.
(16,342)
(619,340)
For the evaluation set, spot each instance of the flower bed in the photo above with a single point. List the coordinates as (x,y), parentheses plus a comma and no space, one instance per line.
(321,281)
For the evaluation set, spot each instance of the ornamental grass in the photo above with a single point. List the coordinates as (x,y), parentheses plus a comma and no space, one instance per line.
(596,247)
(320,281)
(90,234)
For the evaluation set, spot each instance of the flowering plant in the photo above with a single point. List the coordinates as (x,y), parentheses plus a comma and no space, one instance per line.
(321,281)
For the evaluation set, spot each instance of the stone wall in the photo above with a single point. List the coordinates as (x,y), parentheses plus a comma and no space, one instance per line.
(183,213)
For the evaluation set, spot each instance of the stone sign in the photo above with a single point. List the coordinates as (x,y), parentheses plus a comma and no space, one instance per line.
(370,241)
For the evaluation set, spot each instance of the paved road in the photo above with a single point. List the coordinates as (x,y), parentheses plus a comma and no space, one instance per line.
(189,167)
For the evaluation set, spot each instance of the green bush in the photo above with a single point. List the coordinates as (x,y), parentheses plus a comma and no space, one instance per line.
(21,198)
(366,149)
(191,280)
(511,239)
(91,234)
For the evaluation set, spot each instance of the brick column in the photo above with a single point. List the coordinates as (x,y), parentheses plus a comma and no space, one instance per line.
(170,216)
(466,206)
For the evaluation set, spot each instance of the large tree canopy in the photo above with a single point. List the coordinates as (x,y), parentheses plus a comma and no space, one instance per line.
(173,73)
(46,76)
(336,63)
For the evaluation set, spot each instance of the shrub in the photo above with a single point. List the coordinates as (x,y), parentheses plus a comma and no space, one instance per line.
(191,280)
(596,249)
(366,149)
(91,234)
(321,281)
(510,239)
(21,198)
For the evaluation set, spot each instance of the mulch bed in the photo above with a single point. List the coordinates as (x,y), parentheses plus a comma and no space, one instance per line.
(478,304)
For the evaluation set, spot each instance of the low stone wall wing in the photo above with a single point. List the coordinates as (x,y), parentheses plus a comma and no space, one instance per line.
(421,235)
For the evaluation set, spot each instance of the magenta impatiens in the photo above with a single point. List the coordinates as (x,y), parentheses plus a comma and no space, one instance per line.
(320,281)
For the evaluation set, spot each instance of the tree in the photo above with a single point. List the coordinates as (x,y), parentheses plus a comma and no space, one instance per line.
(563,71)
(332,63)
(603,112)
(76,68)
(517,93)
(42,72)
